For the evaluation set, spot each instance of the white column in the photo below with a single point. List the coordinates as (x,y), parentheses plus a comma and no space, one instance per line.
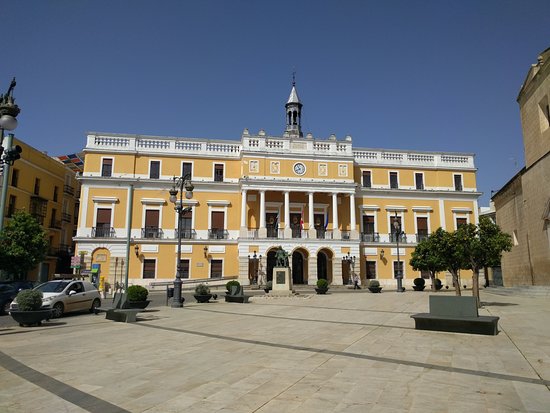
(335,230)
(243,208)
(354,234)
(262,231)
(311,231)
(288,232)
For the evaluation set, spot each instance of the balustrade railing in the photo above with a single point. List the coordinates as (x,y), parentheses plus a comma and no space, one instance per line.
(103,232)
(151,232)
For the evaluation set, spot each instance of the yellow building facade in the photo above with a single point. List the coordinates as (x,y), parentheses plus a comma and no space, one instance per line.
(330,205)
(48,190)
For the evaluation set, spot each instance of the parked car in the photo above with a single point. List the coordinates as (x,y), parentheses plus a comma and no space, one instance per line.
(8,291)
(64,296)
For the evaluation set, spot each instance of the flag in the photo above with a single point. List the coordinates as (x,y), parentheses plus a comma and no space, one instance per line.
(301,223)
(326,223)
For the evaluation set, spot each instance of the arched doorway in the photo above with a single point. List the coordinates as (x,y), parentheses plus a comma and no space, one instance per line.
(324,265)
(270,263)
(297,268)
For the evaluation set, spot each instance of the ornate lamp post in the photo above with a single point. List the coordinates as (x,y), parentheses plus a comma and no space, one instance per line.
(180,184)
(398,273)
(351,262)
(8,155)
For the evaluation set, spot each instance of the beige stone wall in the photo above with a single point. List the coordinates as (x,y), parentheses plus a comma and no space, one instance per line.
(510,217)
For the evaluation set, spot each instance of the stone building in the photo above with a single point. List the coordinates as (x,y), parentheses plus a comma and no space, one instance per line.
(330,205)
(523,204)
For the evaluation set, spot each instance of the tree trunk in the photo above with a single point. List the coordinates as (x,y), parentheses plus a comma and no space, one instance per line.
(486,272)
(432,277)
(456,282)
(475,286)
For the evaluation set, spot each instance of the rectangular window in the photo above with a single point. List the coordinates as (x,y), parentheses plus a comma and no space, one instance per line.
(368,229)
(107,167)
(419,180)
(216,267)
(461,221)
(184,264)
(37,186)
(394,184)
(366,179)
(218,172)
(14,177)
(398,269)
(149,268)
(103,223)
(154,170)
(53,223)
(187,169)
(371,270)
(152,229)
(11,205)
(458,182)
(422,228)
(55,191)
(217,228)
(187,225)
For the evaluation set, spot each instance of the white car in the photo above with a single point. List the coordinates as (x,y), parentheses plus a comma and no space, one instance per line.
(64,296)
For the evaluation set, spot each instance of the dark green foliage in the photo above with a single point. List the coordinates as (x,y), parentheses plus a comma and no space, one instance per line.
(419,282)
(374,283)
(202,289)
(137,293)
(231,283)
(322,283)
(438,284)
(23,245)
(29,300)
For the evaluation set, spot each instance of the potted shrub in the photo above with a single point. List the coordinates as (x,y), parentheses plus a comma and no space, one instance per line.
(419,284)
(202,293)
(322,286)
(232,285)
(268,286)
(438,284)
(29,312)
(137,296)
(374,286)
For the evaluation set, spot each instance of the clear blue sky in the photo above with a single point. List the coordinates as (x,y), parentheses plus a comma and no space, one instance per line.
(417,75)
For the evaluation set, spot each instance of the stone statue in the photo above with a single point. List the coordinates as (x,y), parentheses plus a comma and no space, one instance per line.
(281,258)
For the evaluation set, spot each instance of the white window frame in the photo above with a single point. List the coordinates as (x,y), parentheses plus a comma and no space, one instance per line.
(423,181)
(214,171)
(156,268)
(160,168)
(210,267)
(112,158)
(389,180)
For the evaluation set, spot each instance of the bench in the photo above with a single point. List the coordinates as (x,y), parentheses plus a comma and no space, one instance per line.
(455,314)
(118,312)
(236,295)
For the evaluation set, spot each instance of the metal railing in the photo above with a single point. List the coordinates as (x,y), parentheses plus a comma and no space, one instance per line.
(151,232)
(103,232)
(186,233)
(218,234)
(65,217)
(402,237)
(68,189)
(370,237)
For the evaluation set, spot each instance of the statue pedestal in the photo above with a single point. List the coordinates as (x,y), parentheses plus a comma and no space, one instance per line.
(282,283)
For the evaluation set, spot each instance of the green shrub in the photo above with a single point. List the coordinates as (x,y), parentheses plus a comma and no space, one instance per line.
(322,283)
(374,283)
(231,283)
(137,293)
(419,282)
(202,289)
(29,300)
(438,284)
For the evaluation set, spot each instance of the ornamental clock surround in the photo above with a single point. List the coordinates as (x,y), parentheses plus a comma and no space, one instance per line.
(299,168)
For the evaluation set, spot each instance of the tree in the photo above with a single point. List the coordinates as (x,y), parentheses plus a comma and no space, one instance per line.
(23,245)
(481,246)
(426,256)
(450,254)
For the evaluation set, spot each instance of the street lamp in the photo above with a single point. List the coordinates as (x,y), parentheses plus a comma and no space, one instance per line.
(8,121)
(398,274)
(179,185)
(254,267)
(351,262)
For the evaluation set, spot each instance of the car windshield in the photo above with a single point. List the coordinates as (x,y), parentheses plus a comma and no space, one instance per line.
(53,287)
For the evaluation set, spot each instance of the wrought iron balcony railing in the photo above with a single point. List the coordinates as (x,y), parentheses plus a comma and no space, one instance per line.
(218,234)
(151,232)
(103,232)
(68,189)
(402,237)
(186,233)
(370,237)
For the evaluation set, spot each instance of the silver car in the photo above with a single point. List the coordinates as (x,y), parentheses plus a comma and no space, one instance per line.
(64,296)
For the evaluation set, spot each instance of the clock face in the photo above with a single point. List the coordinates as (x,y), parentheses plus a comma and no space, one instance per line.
(299,168)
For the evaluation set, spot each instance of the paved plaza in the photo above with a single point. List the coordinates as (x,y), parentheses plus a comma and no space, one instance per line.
(349,351)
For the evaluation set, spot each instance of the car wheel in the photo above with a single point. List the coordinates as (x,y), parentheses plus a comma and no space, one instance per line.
(95,305)
(57,310)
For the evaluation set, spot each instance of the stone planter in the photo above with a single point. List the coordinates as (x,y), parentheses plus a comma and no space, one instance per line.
(419,287)
(30,318)
(375,289)
(203,298)
(138,304)
(321,290)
